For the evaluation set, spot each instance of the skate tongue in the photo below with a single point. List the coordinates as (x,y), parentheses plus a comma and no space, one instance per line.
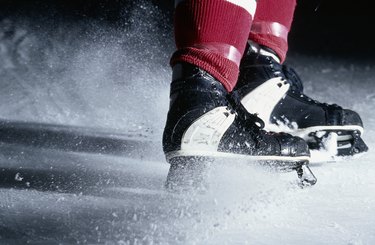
(292,76)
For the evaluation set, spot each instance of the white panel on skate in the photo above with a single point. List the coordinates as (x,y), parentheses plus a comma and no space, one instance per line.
(264,98)
(206,132)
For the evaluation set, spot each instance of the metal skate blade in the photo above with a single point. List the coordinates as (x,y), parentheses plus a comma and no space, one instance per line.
(348,143)
(188,174)
(356,147)
(306,176)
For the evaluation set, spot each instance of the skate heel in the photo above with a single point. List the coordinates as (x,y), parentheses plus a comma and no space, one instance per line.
(188,173)
(305,175)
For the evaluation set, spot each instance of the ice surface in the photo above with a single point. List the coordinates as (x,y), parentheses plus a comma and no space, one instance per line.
(86,72)
(98,75)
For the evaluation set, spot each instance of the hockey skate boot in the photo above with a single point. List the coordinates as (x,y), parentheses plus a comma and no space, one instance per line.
(205,123)
(275,93)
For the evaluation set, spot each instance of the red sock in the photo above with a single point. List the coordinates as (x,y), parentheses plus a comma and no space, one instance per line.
(212,35)
(272,22)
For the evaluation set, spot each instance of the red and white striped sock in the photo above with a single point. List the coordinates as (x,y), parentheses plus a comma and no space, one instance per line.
(212,34)
(271,25)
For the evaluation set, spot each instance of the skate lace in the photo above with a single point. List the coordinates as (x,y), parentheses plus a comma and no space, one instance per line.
(249,121)
(297,87)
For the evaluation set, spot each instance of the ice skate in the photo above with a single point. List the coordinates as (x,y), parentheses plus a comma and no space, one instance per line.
(204,123)
(275,93)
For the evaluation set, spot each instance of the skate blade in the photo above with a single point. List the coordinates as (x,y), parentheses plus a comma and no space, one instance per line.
(348,143)
(306,176)
(188,173)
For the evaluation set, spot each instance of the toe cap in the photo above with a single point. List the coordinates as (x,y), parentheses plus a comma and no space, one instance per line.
(350,117)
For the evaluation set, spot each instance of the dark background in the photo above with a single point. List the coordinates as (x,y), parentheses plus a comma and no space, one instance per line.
(342,28)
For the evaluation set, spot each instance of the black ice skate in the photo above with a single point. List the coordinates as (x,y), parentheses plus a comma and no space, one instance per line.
(205,124)
(275,93)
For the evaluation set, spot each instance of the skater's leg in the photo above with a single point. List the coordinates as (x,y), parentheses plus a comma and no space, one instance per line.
(262,75)
(212,35)
(271,25)
(204,121)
